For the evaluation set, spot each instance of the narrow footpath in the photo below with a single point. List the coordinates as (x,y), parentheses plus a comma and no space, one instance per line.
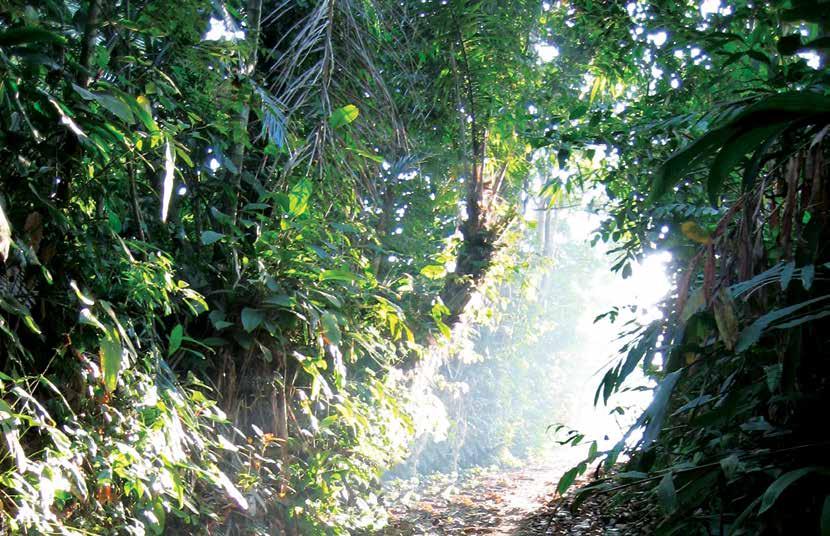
(496,502)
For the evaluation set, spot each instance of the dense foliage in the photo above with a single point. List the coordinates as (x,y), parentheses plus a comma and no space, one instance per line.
(226,228)
(222,223)
(721,159)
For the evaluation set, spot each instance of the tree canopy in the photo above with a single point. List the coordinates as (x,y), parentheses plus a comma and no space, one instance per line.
(228,229)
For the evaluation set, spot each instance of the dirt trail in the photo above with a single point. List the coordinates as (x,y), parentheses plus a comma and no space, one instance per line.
(498,502)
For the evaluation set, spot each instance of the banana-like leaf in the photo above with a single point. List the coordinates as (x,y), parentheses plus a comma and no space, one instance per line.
(733,151)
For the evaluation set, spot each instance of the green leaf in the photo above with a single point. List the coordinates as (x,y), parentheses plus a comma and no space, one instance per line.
(825,517)
(210,237)
(434,271)
(567,480)
(732,152)
(109,102)
(782,483)
(110,355)
(343,116)
(331,329)
(656,411)
(175,340)
(299,197)
(251,318)
(667,494)
(29,34)
(678,164)
(373,157)
(751,334)
(229,487)
(338,275)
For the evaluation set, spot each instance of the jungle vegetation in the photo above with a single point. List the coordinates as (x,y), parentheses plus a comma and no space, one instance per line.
(230,228)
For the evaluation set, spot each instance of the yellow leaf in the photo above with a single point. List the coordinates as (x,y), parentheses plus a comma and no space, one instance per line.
(695,232)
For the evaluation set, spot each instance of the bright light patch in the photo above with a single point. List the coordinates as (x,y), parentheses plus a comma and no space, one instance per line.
(813,59)
(709,7)
(219,31)
(546,52)
(658,38)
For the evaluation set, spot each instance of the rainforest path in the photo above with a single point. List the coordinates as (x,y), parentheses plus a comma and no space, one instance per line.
(499,502)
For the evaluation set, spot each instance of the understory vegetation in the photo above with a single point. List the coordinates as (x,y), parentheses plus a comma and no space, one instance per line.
(244,242)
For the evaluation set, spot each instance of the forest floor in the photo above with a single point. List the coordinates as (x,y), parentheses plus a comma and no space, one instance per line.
(497,502)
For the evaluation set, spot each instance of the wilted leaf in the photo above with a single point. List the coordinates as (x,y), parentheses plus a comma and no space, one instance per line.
(726,319)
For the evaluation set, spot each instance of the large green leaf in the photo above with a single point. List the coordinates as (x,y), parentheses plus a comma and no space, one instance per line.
(331,328)
(751,334)
(110,102)
(733,151)
(110,356)
(782,483)
(251,318)
(175,339)
(29,34)
(667,494)
(338,275)
(673,170)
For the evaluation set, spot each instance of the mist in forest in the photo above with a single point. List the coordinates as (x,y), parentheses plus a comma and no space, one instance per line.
(511,389)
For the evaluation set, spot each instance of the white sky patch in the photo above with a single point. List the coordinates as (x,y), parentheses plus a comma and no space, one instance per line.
(658,38)
(547,52)
(709,7)
(656,72)
(219,31)
(812,59)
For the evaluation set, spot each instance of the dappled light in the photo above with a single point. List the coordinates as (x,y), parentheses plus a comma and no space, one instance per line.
(414,267)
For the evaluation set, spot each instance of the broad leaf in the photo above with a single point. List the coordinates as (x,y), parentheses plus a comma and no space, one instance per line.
(331,329)
(110,357)
(343,116)
(782,483)
(251,318)
(175,339)
(667,494)
(210,237)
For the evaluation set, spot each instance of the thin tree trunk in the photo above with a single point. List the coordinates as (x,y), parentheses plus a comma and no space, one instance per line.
(93,15)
